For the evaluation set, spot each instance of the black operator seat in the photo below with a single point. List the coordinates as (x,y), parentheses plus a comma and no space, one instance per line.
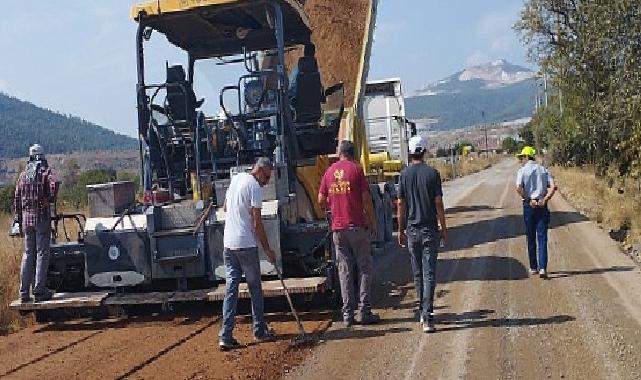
(308,89)
(181,101)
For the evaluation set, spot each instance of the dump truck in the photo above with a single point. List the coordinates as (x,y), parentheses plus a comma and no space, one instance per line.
(387,131)
(166,246)
(387,128)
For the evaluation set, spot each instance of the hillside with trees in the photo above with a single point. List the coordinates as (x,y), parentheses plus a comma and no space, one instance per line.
(23,124)
(490,93)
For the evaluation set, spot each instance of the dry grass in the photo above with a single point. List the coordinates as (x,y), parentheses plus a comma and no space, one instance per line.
(10,256)
(463,167)
(614,203)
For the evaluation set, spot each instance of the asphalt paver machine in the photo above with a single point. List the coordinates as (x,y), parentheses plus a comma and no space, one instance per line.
(167,247)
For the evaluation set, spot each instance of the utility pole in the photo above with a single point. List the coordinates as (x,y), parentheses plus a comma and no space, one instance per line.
(545,88)
(452,161)
(561,101)
(487,152)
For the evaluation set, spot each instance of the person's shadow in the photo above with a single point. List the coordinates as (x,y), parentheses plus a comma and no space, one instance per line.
(480,318)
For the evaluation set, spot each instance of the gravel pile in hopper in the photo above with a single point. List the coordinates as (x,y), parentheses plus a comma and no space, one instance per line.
(338,28)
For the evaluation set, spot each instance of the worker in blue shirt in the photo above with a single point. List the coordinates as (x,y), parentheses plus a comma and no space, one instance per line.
(535,185)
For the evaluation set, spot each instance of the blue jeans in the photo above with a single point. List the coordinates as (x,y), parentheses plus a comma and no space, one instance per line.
(537,221)
(238,262)
(35,260)
(423,246)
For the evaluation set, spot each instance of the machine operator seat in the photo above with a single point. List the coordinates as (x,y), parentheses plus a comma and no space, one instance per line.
(308,89)
(182,103)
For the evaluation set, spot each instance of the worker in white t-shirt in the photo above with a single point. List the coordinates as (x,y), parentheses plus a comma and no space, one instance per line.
(243,230)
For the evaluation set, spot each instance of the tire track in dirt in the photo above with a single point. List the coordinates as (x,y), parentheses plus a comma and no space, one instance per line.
(167,349)
(200,358)
(50,353)
(157,346)
(116,347)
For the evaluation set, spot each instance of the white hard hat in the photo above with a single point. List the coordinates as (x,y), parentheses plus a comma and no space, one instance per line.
(36,149)
(417,145)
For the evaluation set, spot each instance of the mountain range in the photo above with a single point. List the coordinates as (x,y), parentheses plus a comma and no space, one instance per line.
(494,92)
(23,124)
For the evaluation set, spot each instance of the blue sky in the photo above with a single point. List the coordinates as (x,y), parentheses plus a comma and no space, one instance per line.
(78,56)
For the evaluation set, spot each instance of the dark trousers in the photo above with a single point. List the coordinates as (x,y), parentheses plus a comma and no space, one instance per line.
(423,247)
(537,222)
(353,249)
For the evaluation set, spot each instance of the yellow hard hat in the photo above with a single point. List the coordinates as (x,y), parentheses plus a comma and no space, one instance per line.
(527,151)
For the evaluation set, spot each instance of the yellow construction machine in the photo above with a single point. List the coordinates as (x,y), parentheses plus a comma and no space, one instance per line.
(168,247)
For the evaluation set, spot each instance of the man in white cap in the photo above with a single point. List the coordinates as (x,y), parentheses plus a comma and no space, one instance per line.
(421,195)
(35,191)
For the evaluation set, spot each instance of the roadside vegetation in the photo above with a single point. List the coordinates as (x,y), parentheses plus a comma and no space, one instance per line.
(463,167)
(589,121)
(590,54)
(10,257)
(614,204)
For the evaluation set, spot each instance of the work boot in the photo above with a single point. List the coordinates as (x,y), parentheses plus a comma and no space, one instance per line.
(543,273)
(429,327)
(267,335)
(228,344)
(369,318)
(45,296)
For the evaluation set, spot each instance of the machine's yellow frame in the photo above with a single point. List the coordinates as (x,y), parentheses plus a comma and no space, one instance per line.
(158,7)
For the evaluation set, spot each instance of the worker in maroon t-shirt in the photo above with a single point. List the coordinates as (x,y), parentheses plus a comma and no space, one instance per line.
(345,187)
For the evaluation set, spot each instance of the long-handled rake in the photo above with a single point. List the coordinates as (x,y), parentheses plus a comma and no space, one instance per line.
(302,338)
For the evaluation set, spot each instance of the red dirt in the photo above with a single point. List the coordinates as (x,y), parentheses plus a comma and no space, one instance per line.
(178,348)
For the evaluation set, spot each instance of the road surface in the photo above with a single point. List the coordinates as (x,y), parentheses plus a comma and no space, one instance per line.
(493,321)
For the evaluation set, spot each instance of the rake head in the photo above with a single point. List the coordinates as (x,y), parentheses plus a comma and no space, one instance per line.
(302,340)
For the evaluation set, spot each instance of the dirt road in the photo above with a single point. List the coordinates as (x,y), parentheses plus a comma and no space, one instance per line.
(493,321)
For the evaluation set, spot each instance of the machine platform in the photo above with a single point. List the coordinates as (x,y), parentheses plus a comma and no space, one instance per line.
(63,300)
(272,288)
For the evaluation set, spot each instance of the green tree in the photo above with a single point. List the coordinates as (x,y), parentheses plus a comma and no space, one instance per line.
(510,145)
(591,52)
(76,195)
(6,199)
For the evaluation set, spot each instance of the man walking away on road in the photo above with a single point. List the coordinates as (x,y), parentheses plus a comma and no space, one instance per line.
(420,198)
(536,187)
(345,187)
(243,229)
(35,193)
